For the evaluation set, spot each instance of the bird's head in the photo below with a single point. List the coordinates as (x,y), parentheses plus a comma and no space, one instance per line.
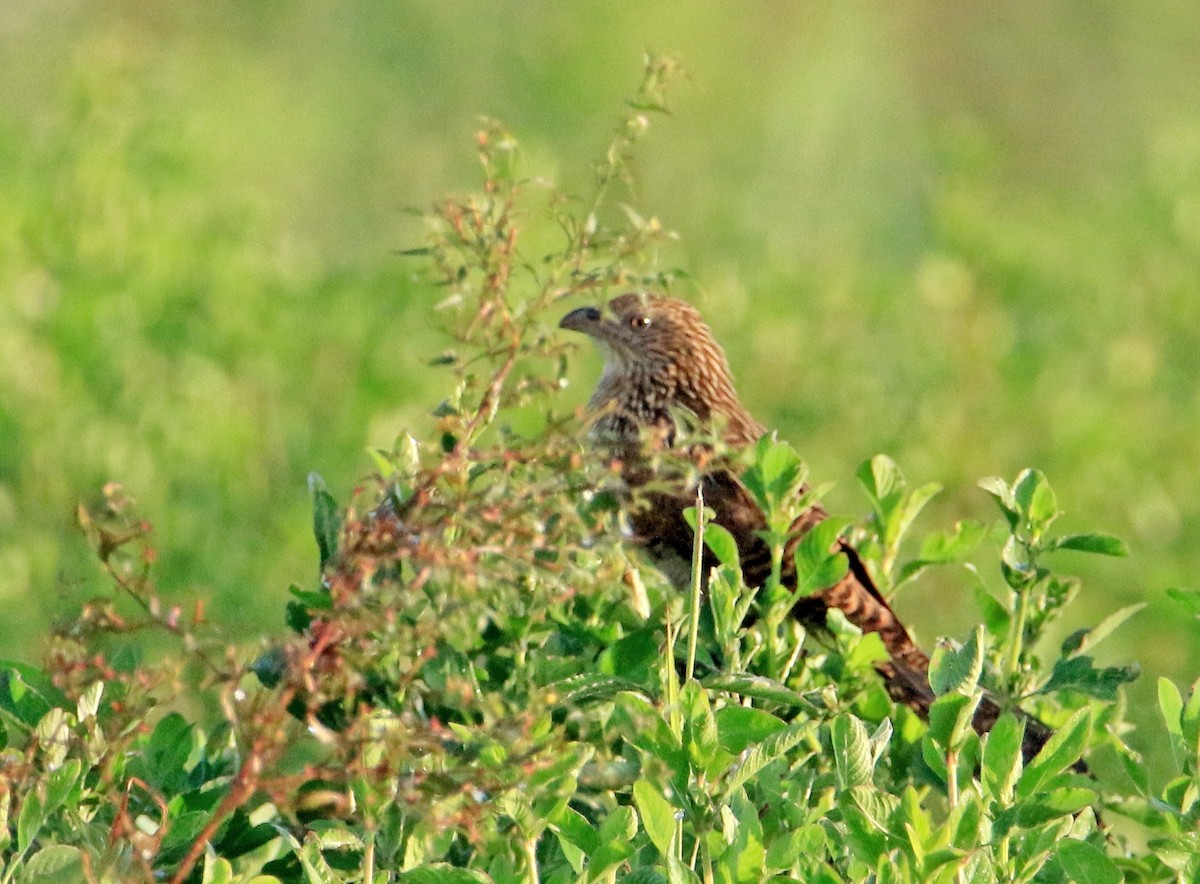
(660,356)
(645,330)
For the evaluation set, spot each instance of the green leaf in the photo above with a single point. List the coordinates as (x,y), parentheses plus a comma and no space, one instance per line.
(995,617)
(880,477)
(729,603)
(60,783)
(616,841)
(297,617)
(945,547)
(742,860)
(574,827)
(947,716)
(866,840)
(959,669)
(327,522)
(1003,496)
(851,751)
(880,807)
(1019,572)
(1179,852)
(645,728)
(775,474)
(790,845)
(514,804)
(678,873)
(218,870)
(167,753)
(1002,757)
(644,875)
(781,467)
(722,544)
(963,822)
(30,820)
(384,465)
(1132,764)
(27,694)
(657,813)
(632,657)
(439,873)
(318,871)
(742,726)
(88,703)
(880,740)
(868,649)
(1080,675)
(1041,808)
(241,836)
(700,729)
(313,599)
(1061,750)
(1084,863)
(184,829)
(1102,544)
(1189,597)
(913,820)
(1170,703)
(773,747)
(979,868)
(758,687)
(818,563)
(1089,638)
(56,864)
(689,516)
(53,734)
(942,548)
(901,521)
(1191,716)
(1035,499)
(588,688)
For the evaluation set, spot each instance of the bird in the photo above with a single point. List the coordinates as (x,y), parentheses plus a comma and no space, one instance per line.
(663,369)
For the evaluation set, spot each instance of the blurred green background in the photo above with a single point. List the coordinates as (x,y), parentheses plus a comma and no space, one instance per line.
(967,235)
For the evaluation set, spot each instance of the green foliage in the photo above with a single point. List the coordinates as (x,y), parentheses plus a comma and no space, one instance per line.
(479,686)
(895,508)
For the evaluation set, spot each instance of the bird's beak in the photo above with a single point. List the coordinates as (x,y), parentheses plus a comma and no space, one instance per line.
(583,320)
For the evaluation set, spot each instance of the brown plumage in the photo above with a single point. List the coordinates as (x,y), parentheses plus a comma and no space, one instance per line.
(661,365)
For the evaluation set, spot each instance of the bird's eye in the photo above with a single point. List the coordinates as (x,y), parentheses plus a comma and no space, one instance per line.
(638,321)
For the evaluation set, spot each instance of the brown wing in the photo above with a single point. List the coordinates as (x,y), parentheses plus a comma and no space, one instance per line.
(657,522)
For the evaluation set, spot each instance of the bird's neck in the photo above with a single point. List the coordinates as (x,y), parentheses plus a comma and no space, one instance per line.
(631,400)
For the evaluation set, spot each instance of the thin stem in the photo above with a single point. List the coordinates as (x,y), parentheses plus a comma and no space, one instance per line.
(706,859)
(697,581)
(369,856)
(792,660)
(952,778)
(531,860)
(777,611)
(1018,631)
(671,677)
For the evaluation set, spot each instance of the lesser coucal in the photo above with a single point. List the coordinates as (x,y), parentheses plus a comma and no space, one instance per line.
(662,362)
